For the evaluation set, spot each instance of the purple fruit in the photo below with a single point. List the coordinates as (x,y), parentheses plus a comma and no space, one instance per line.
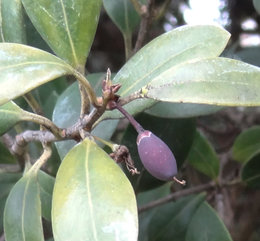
(156,156)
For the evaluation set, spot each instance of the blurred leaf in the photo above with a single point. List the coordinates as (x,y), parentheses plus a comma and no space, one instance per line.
(247,144)
(145,217)
(24,68)
(250,54)
(181,110)
(67,26)
(10,114)
(178,134)
(167,51)
(122,14)
(48,94)
(203,157)
(257,5)
(223,81)
(250,173)
(12,27)
(171,221)
(7,180)
(46,184)
(22,215)
(5,156)
(92,199)
(34,39)
(206,225)
(67,112)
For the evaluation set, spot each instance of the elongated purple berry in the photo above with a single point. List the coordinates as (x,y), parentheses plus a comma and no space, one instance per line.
(156,156)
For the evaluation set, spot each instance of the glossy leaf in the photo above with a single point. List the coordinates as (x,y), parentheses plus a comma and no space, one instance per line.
(22,215)
(67,26)
(223,81)
(250,173)
(5,156)
(203,157)
(171,221)
(12,27)
(122,14)
(145,217)
(46,184)
(67,112)
(181,45)
(206,225)
(181,110)
(24,68)
(7,181)
(247,144)
(257,5)
(176,133)
(249,55)
(10,114)
(92,199)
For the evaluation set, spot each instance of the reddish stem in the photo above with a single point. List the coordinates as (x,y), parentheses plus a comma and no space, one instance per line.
(131,119)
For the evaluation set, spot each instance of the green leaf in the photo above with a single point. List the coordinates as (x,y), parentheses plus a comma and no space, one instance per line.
(5,156)
(24,68)
(217,81)
(257,5)
(249,54)
(203,157)
(67,112)
(10,114)
(171,221)
(145,217)
(247,144)
(46,184)
(250,173)
(12,27)
(67,26)
(122,14)
(92,199)
(178,134)
(7,181)
(165,52)
(206,225)
(22,215)
(181,110)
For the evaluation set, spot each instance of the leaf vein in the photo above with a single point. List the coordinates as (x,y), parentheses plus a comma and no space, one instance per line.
(89,194)
(69,34)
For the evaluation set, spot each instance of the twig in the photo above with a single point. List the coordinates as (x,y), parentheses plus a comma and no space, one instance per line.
(85,102)
(125,100)
(185,192)
(138,6)
(84,82)
(47,151)
(145,23)
(32,102)
(41,120)
(176,195)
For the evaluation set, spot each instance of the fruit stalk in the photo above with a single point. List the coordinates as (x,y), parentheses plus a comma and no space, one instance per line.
(131,119)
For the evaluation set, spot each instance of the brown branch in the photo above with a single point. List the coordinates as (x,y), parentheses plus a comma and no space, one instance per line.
(73,132)
(176,195)
(146,20)
(185,192)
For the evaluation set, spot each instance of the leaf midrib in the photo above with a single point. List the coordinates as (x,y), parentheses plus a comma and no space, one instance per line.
(33,63)
(90,204)
(68,33)
(158,66)
(23,206)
